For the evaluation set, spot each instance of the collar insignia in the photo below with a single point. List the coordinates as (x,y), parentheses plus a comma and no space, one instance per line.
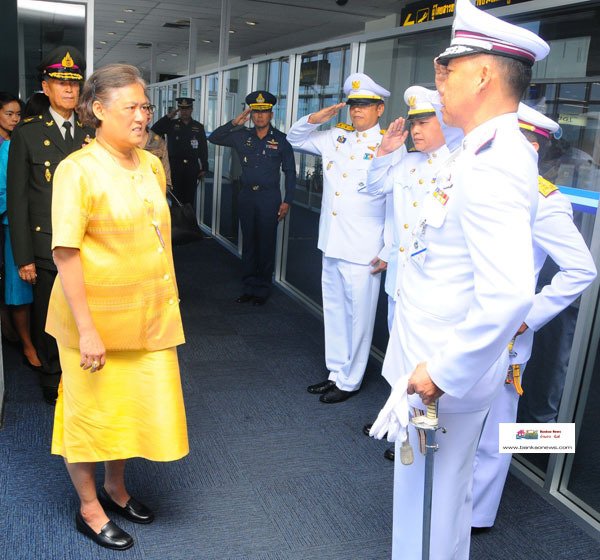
(50,123)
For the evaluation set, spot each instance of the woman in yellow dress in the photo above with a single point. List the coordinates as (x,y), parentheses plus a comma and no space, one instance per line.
(114,309)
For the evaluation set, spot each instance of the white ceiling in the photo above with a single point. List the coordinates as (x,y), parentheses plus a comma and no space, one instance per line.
(281,24)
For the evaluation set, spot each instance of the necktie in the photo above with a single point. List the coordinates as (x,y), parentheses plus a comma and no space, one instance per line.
(68,137)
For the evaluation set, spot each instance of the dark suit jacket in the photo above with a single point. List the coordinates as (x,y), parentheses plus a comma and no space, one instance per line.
(36,148)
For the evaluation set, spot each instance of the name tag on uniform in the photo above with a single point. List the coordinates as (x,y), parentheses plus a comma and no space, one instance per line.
(418,250)
(194,143)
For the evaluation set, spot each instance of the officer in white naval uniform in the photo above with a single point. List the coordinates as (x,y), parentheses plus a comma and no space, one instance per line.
(406,182)
(468,280)
(554,235)
(350,231)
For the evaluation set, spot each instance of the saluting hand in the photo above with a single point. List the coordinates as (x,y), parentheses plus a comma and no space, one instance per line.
(27,273)
(242,118)
(394,138)
(325,114)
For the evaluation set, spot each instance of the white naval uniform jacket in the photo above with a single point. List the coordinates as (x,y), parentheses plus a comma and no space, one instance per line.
(468,279)
(554,235)
(352,220)
(409,181)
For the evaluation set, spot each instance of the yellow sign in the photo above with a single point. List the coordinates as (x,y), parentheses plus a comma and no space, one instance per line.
(572,120)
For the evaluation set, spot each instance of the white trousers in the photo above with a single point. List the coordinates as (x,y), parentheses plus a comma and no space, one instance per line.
(350,295)
(391,311)
(452,485)
(491,467)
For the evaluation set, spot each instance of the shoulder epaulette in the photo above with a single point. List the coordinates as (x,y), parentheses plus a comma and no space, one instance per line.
(546,188)
(345,126)
(486,145)
(31,119)
(383,131)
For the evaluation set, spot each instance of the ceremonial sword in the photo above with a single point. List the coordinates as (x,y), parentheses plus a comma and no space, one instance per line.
(429,424)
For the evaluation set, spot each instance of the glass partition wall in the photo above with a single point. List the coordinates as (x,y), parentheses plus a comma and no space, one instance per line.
(562,378)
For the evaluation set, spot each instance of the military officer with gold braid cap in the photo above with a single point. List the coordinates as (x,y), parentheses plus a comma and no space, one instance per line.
(468,280)
(350,231)
(38,145)
(555,236)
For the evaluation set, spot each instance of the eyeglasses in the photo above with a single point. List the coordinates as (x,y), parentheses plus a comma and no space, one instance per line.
(148,108)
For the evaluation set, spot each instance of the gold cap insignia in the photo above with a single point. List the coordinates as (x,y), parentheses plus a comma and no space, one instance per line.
(48,175)
(67,61)
(260,98)
(412,102)
(355,84)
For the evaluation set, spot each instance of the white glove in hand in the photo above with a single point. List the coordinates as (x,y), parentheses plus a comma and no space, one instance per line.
(393,417)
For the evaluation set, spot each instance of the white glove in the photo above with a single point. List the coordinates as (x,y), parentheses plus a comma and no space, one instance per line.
(393,417)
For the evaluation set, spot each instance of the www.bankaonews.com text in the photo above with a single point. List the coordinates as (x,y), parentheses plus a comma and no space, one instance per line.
(537,447)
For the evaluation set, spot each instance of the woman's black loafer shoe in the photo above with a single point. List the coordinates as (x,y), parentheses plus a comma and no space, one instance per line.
(133,510)
(110,536)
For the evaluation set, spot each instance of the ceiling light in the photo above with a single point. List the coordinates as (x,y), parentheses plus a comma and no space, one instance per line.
(250,23)
(206,41)
(119,21)
(163,60)
(232,31)
(128,10)
(103,42)
(110,33)
(174,54)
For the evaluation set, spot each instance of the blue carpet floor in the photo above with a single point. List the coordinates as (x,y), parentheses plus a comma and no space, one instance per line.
(272,473)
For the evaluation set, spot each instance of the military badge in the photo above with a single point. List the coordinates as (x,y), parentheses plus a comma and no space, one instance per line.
(440,196)
(154,168)
(67,61)
(50,123)
(372,148)
(329,165)
(368,156)
(341,139)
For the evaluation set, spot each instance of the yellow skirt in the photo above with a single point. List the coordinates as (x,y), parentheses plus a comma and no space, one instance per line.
(132,407)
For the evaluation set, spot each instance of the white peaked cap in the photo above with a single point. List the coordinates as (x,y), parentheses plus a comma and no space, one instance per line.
(475,31)
(359,86)
(534,121)
(418,100)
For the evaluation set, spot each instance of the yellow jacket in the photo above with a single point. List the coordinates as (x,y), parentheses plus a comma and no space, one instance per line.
(109,213)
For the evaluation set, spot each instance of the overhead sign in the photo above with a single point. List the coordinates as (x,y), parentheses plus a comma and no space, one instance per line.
(428,10)
(573,120)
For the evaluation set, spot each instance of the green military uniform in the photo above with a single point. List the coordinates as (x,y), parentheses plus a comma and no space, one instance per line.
(37,147)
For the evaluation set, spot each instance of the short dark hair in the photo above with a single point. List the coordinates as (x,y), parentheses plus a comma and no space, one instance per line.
(542,141)
(100,86)
(517,74)
(6,97)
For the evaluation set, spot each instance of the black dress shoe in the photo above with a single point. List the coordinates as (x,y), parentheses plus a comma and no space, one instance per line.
(335,395)
(50,395)
(244,298)
(110,536)
(367,429)
(320,388)
(389,454)
(133,510)
(480,530)
(259,301)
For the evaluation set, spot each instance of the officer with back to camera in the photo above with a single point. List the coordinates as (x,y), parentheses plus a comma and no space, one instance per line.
(555,236)
(264,152)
